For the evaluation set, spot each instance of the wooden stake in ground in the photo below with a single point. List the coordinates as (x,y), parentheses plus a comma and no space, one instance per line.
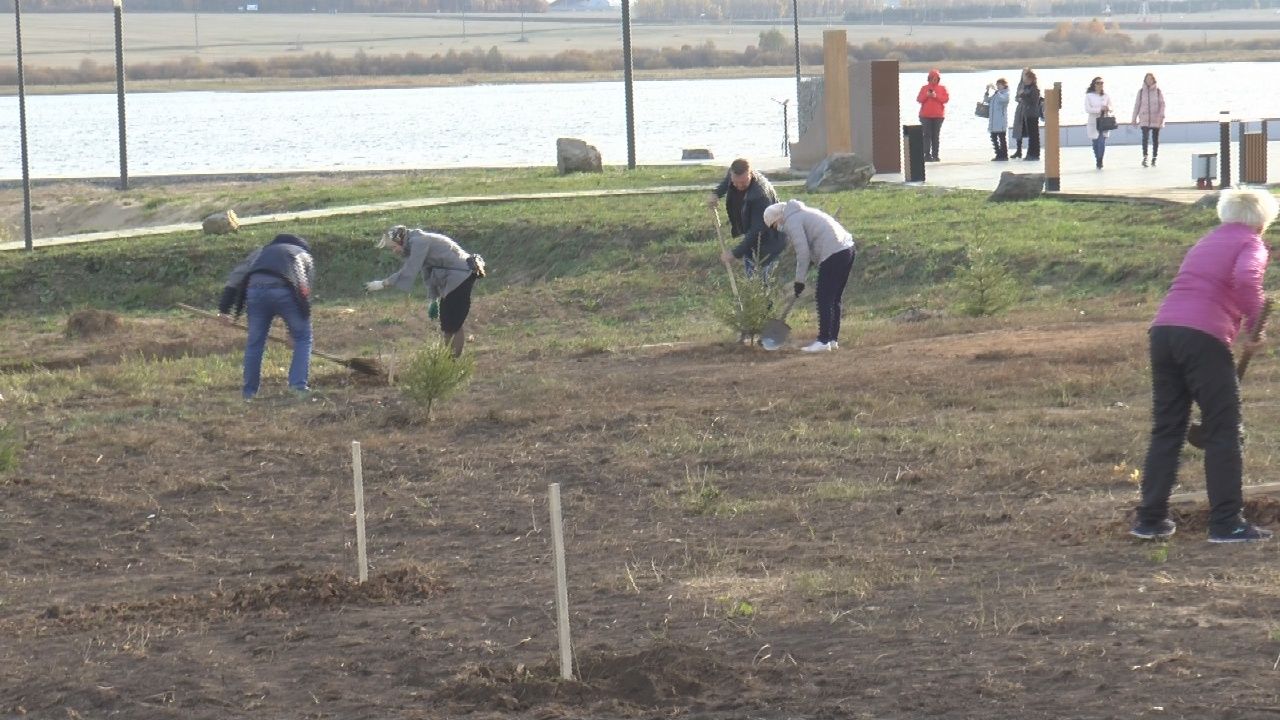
(562,583)
(357,477)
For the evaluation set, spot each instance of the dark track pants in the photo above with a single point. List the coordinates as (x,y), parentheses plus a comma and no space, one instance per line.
(1189,365)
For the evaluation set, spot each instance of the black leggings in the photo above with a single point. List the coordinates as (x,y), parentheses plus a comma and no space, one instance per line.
(1154,132)
(833,275)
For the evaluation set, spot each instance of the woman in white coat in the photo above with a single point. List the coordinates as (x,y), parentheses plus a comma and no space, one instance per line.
(1097,103)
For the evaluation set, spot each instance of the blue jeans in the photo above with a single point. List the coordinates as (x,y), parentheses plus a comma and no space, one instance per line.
(263,304)
(1099,148)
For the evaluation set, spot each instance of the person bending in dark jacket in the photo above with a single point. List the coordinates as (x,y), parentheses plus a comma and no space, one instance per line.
(275,280)
(747,193)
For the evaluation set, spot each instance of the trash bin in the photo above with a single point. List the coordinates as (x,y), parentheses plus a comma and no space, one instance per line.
(1204,169)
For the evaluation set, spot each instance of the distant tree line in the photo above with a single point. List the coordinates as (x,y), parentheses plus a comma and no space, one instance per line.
(904,11)
(774,49)
(286,6)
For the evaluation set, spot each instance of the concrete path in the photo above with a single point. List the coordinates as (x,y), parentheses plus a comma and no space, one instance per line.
(1122,177)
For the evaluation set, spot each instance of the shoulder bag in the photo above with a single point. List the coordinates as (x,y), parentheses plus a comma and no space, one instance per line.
(1106,122)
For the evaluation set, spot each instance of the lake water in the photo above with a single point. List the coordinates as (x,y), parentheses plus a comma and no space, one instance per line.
(517,125)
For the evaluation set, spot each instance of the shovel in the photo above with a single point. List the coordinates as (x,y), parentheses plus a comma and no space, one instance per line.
(775,332)
(364,366)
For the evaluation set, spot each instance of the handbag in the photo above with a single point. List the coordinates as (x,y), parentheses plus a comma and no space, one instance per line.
(1106,123)
(983,109)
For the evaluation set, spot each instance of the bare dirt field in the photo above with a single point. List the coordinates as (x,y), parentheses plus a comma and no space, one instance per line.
(928,523)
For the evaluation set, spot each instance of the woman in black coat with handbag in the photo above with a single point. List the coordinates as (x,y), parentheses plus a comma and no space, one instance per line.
(1029,112)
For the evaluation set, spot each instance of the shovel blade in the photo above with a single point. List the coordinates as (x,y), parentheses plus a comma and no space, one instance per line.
(774,334)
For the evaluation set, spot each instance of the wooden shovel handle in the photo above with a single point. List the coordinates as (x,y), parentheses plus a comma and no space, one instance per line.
(733,284)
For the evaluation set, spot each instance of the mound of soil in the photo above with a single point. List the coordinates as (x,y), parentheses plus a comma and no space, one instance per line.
(92,322)
(393,587)
(1263,511)
(666,676)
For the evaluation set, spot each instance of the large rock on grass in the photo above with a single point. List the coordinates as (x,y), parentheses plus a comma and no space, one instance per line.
(1018,186)
(573,155)
(842,171)
(221,223)
(696,154)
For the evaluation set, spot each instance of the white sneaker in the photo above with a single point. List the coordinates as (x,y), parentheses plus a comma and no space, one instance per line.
(816,346)
(835,345)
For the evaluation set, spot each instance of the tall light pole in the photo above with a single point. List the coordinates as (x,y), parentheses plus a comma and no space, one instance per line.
(627,84)
(195,21)
(795,22)
(124,155)
(22,131)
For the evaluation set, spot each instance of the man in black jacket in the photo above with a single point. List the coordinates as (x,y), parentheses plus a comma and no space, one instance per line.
(747,193)
(275,279)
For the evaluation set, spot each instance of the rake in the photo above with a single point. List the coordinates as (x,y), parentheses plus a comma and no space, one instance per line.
(364,366)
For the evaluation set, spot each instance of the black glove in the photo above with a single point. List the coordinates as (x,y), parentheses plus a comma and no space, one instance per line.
(799,288)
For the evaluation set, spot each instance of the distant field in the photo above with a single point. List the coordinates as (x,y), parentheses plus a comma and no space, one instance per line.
(64,40)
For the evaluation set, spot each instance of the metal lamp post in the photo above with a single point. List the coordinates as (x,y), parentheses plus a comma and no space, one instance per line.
(795,22)
(124,155)
(22,131)
(627,84)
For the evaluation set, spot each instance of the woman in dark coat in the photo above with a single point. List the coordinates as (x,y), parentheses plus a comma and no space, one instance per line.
(1029,112)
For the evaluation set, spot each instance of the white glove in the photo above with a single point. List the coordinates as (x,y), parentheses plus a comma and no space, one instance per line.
(374,286)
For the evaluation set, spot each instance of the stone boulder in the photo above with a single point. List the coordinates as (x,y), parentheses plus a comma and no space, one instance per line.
(221,223)
(696,154)
(573,155)
(1018,186)
(842,171)
(1209,201)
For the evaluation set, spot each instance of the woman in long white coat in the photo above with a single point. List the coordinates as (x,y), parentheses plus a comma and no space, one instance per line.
(1097,103)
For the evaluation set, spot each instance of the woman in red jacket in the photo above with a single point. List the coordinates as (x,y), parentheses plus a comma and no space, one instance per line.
(933,99)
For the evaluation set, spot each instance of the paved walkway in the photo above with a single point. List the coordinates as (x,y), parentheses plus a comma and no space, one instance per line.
(1123,177)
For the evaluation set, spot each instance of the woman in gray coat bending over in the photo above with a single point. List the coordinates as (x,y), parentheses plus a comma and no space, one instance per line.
(817,239)
(447,269)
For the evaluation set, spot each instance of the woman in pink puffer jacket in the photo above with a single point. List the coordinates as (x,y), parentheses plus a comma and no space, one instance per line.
(1216,293)
(1148,113)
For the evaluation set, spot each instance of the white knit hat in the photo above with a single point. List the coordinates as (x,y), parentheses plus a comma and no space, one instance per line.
(773,214)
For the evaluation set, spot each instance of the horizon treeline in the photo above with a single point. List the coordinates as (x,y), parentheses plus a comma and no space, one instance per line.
(904,11)
(774,49)
(286,6)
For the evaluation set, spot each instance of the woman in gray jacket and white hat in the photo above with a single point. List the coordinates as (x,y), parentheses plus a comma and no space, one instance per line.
(447,269)
(817,239)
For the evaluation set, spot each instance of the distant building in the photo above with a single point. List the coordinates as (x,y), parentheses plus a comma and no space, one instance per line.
(579,5)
